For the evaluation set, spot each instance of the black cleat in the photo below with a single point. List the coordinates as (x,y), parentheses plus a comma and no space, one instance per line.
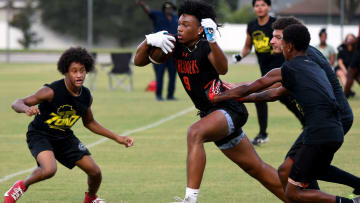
(260,139)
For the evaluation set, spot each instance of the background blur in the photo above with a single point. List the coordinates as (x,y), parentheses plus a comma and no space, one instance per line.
(113,24)
(33,34)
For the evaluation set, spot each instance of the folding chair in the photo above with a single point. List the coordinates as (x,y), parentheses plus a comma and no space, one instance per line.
(91,77)
(121,71)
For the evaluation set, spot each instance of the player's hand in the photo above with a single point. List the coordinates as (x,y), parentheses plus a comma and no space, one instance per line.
(209,28)
(32,110)
(214,89)
(162,40)
(125,140)
(227,85)
(236,58)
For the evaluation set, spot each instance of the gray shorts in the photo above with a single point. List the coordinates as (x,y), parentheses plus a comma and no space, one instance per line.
(234,136)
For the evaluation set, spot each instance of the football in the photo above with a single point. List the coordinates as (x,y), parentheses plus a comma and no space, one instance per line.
(157,56)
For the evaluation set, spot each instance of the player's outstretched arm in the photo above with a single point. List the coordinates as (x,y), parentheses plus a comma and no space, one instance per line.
(216,56)
(267,80)
(268,95)
(95,127)
(28,104)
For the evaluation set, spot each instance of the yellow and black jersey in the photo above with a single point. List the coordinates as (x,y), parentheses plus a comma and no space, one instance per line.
(260,37)
(58,116)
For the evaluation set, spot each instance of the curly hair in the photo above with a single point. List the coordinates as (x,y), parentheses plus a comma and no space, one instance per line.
(283,22)
(75,54)
(199,9)
(298,35)
(268,2)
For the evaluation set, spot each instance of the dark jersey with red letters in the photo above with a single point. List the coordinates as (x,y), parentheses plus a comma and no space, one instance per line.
(59,115)
(195,71)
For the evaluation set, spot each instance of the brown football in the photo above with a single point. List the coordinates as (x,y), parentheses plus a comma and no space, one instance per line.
(157,56)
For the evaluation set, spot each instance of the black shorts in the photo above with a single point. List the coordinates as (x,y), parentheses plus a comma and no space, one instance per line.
(238,114)
(67,150)
(312,160)
(346,124)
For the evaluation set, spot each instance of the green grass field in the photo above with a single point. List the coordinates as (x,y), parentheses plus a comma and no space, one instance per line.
(153,170)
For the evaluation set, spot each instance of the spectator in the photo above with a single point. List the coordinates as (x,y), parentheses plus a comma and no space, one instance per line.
(258,34)
(354,70)
(346,52)
(166,19)
(326,49)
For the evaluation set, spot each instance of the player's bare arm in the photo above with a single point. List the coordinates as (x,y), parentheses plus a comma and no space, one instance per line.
(95,127)
(268,95)
(218,59)
(247,46)
(141,57)
(267,80)
(28,104)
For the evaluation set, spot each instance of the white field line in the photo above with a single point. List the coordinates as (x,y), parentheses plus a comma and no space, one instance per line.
(102,140)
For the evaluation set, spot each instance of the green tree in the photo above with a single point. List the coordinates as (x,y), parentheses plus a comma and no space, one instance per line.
(122,20)
(23,20)
(243,15)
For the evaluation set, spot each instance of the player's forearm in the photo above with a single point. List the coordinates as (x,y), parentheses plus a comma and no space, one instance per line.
(245,51)
(141,57)
(97,128)
(221,64)
(259,97)
(235,93)
(19,106)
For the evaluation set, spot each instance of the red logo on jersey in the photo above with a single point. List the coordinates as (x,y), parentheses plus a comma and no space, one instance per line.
(184,54)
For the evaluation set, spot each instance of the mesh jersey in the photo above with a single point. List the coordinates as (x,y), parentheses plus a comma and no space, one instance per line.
(58,116)
(195,71)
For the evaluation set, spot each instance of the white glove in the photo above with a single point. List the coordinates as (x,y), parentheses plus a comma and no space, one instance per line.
(162,40)
(209,27)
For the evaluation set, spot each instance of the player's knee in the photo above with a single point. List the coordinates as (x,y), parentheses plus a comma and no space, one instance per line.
(48,172)
(282,171)
(194,135)
(95,172)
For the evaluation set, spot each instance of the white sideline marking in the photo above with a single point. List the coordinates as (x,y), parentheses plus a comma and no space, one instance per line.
(100,141)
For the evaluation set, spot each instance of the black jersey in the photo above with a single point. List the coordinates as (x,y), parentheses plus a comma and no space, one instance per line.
(58,116)
(260,37)
(345,55)
(309,85)
(195,71)
(345,109)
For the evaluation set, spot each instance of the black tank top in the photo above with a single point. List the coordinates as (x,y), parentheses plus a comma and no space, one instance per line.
(58,116)
(195,71)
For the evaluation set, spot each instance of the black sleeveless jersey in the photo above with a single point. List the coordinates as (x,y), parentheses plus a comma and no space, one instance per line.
(195,71)
(58,116)
(260,37)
